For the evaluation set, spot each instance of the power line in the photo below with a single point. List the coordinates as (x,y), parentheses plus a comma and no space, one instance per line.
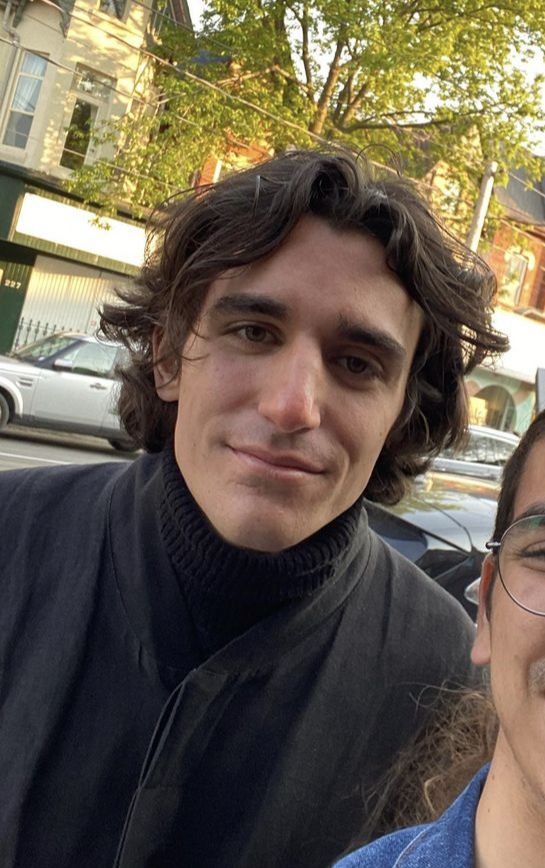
(201,82)
(532,188)
(218,89)
(421,184)
(131,95)
(205,84)
(183,26)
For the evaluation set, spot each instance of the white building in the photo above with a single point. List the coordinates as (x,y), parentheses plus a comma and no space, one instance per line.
(66,67)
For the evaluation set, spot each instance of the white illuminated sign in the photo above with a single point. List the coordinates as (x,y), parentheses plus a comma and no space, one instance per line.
(77,228)
(526,352)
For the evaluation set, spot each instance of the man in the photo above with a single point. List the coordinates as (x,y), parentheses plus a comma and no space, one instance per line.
(499,819)
(210,658)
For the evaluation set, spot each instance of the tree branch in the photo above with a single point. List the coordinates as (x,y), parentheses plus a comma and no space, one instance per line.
(369,124)
(305,87)
(305,53)
(355,103)
(345,96)
(318,121)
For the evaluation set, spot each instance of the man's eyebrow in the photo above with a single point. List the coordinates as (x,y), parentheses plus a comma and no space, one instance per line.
(537,508)
(371,337)
(347,329)
(247,303)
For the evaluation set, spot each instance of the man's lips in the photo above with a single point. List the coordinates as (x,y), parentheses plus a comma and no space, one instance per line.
(280,460)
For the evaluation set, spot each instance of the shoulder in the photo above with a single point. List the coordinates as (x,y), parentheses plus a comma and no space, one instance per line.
(46,479)
(409,614)
(417,608)
(36,493)
(45,510)
(53,526)
(384,852)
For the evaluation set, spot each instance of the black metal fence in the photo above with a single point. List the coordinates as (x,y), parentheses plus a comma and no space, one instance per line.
(30,330)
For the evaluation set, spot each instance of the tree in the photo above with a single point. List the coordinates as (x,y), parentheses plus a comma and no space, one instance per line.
(436,82)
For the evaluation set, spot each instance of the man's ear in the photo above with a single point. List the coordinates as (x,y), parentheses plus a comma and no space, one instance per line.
(165,373)
(480,653)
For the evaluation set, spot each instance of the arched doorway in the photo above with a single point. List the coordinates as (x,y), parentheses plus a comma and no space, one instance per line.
(500,408)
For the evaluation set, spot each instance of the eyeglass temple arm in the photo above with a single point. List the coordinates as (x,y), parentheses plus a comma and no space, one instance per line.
(492,546)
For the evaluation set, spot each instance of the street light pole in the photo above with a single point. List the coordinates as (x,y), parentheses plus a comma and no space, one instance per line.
(477,222)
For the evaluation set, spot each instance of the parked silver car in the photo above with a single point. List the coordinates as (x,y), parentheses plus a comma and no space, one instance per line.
(64,382)
(484,455)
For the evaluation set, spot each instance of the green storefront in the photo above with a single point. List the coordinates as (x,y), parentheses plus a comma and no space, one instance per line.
(52,256)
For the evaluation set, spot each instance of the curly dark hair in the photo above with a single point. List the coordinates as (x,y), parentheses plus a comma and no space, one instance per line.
(436,765)
(246,217)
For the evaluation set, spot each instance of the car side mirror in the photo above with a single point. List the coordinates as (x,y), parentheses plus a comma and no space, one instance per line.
(63,364)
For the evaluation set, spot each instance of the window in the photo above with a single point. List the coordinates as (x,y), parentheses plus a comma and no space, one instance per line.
(513,279)
(92,359)
(539,298)
(162,13)
(78,136)
(92,83)
(113,7)
(25,100)
(93,92)
(44,348)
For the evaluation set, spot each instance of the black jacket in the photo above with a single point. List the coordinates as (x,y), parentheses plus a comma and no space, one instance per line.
(255,755)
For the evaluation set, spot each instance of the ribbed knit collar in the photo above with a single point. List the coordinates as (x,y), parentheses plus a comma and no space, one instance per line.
(228,589)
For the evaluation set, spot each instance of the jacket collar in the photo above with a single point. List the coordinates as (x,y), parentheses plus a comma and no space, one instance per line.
(451,839)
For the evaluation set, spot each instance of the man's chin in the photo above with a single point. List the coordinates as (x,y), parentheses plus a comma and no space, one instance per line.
(263,537)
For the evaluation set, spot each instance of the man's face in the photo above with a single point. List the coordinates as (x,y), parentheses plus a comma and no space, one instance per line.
(513,642)
(295,378)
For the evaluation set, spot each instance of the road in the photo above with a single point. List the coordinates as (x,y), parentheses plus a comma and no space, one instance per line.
(27,447)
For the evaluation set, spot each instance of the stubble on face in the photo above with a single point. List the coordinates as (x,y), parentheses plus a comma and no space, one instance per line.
(301,359)
(536,677)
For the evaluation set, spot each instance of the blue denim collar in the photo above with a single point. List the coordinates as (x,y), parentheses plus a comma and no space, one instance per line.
(451,839)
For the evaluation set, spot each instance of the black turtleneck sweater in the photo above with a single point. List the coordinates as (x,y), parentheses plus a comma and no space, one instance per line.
(245,700)
(228,589)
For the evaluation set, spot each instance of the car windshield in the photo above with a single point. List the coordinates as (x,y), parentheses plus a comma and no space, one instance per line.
(43,349)
(483,448)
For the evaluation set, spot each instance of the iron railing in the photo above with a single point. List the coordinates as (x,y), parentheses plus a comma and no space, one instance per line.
(30,330)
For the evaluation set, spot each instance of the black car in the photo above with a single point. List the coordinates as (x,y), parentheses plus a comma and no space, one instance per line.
(442,526)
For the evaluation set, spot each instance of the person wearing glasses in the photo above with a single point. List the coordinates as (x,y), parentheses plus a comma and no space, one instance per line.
(499,819)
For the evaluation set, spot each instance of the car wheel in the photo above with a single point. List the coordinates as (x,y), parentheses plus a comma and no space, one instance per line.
(123,445)
(4,412)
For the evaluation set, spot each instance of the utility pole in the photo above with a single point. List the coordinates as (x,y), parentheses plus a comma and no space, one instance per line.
(477,222)
(540,390)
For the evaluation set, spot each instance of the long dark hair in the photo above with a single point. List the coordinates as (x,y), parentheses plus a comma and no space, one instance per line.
(245,218)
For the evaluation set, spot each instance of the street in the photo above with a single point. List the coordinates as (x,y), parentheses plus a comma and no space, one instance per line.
(28,447)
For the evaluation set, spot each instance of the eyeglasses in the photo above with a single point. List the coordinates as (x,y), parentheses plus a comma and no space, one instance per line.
(521,562)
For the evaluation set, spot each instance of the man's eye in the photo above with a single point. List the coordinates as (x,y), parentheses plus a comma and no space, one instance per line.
(254,333)
(357,365)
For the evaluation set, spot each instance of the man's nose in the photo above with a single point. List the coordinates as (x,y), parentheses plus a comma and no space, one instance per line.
(292,389)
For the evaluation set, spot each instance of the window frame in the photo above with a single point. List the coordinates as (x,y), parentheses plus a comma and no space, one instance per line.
(18,75)
(101,104)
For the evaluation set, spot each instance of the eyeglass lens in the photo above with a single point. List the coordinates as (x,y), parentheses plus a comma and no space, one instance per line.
(522,563)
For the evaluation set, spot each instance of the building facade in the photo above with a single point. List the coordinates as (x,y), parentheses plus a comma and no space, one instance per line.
(503,394)
(67,69)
